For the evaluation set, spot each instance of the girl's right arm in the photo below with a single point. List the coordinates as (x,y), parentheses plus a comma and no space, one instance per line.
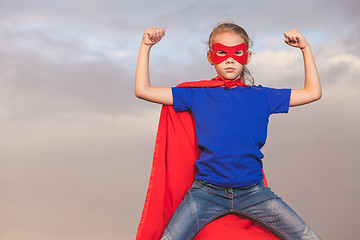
(143,88)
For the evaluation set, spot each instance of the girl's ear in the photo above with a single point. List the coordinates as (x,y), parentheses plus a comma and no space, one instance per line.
(249,57)
(209,60)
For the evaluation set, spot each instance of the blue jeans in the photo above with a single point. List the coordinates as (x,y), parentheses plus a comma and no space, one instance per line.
(205,202)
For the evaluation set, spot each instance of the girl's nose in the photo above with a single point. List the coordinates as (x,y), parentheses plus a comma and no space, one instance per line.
(230,60)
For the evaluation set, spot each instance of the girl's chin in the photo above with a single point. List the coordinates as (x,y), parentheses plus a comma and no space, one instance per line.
(229,77)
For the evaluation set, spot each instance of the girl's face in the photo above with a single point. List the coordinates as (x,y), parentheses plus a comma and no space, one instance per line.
(229,69)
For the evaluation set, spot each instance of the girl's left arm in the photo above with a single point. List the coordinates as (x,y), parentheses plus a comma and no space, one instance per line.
(312,87)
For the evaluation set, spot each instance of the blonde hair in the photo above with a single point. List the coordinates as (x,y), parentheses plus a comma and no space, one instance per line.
(234,28)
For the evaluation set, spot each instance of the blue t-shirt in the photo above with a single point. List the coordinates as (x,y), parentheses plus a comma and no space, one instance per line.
(231,128)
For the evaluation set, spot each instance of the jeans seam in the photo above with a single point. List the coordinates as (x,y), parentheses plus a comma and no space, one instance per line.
(272,217)
(305,233)
(193,208)
(223,213)
(271,228)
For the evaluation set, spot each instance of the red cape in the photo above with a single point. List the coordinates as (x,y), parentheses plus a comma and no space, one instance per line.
(172,175)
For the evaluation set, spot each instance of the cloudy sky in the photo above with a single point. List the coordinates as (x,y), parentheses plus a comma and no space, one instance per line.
(76,144)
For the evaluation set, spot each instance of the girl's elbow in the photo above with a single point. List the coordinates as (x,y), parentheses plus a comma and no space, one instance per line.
(139,94)
(315,97)
(314,94)
(318,95)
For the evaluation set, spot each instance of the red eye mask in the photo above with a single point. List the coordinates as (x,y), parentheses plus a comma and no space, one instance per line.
(230,52)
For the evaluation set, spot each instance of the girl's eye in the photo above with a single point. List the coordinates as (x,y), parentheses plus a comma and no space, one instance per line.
(221,53)
(239,53)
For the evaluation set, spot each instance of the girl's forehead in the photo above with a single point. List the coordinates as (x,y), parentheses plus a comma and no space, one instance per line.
(228,38)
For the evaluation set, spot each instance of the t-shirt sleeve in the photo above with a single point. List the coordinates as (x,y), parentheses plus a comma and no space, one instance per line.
(278,100)
(183,98)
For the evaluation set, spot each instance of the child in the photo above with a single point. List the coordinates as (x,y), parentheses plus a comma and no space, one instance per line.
(231,121)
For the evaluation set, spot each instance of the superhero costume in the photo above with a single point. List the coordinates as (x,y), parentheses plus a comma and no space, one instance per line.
(172,175)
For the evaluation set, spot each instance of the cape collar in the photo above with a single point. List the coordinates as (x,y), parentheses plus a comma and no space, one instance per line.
(229,83)
(215,82)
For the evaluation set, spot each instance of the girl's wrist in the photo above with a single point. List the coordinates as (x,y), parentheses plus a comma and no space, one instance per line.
(145,46)
(306,48)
